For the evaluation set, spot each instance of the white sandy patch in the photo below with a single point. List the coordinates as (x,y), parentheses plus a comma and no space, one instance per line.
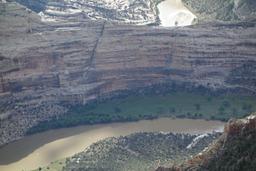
(174,13)
(196,140)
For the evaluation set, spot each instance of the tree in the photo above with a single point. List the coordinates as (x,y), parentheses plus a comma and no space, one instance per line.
(234,111)
(221,109)
(189,114)
(226,103)
(198,106)
(117,110)
(172,110)
(213,117)
(209,99)
(247,107)
(160,110)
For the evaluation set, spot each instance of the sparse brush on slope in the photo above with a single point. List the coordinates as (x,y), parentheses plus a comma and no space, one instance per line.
(139,152)
(224,10)
(234,150)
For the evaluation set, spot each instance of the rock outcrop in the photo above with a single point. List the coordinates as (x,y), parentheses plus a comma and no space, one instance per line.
(234,150)
(140,12)
(223,10)
(48,66)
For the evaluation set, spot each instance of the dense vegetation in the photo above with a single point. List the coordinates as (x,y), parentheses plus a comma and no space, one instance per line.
(149,106)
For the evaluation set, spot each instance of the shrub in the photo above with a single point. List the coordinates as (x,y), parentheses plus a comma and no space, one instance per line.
(172,110)
(198,106)
(117,110)
(221,109)
(226,104)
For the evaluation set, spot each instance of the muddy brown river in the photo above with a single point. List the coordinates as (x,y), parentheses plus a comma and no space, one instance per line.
(40,149)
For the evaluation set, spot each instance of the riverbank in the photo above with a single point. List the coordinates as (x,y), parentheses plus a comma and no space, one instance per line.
(40,149)
(134,107)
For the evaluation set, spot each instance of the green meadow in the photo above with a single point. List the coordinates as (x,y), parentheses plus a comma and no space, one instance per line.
(136,107)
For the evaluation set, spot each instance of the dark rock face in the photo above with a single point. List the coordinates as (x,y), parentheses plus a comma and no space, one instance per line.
(234,150)
(75,62)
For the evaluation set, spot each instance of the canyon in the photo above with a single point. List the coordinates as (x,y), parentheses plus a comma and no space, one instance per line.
(65,63)
(46,67)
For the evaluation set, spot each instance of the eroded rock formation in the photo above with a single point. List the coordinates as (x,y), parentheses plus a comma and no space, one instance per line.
(234,150)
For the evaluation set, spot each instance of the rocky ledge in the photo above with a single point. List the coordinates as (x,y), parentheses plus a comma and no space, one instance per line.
(234,150)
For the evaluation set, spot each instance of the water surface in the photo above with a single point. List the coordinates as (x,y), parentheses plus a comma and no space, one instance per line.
(40,149)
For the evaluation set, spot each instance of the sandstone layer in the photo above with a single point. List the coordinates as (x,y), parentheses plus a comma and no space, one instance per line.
(48,66)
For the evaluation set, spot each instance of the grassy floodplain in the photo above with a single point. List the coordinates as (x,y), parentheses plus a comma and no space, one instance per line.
(135,107)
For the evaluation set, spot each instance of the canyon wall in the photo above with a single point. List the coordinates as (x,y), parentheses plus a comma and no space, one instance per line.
(47,66)
(234,150)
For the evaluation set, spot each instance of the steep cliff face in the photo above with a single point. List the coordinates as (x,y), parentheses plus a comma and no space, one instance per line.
(224,10)
(45,67)
(234,150)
